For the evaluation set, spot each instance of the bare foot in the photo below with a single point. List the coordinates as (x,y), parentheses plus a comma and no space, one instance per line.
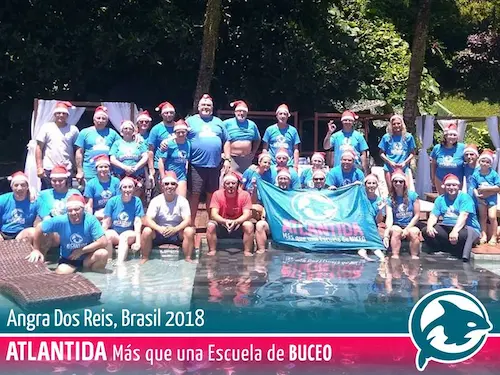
(395,256)
(415,257)
(261,251)
(211,253)
(492,241)
(380,254)
(143,260)
(189,260)
(248,254)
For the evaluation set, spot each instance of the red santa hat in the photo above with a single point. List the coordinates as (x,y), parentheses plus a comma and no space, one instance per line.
(284,172)
(349,115)
(165,107)
(471,148)
(282,152)
(18,177)
(63,107)
(372,177)
(180,125)
(283,108)
(206,99)
(75,201)
(170,176)
(452,128)
(450,179)
(101,110)
(487,154)
(239,105)
(263,155)
(102,160)
(232,176)
(319,155)
(319,173)
(59,171)
(126,123)
(398,174)
(144,116)
(129,180)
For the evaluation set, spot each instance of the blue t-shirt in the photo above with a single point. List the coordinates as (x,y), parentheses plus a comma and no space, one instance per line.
(52,203)
(403,213)
(491,179)
(277,138)
(376,203)
(306,180)
(396,148)
(468,171)
(252,173)
(101,192)
(338,177)
(294,177)
(16,215)
(207,136)
(341,141)
(176,157)
(450,210)
(241,131)
(94,142)
(73,236)
(158,133)
(122,213)
(129,153)
(449,160)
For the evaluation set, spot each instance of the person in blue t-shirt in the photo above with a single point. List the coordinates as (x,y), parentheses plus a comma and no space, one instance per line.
(282,136)
(470,165)
(160,134)
(346,173)
(447,158)
(83,243)
(101,188)
(397,147)
(123,220)
(403,207)
(243,136)
(91,142)
(460,228)
(378,212)
(485,183)
(255,173)
(284,179)
(317,164)
(319,180)
(17,211)
(346,139)
(176,157)
(283,161)
(209,146)
(143,128)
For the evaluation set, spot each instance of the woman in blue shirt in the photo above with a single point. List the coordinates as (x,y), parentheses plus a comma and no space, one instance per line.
(404,208)
(397,147)
(447,158)
(377,211)
(317,164)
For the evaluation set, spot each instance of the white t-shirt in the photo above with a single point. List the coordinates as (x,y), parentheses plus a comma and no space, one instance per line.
(168,213)
(58,145)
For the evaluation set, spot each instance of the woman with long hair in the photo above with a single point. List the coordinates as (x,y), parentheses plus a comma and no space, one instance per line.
(317,164)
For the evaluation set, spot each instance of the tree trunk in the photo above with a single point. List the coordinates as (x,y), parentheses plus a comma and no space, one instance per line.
(417,63)
(213,15)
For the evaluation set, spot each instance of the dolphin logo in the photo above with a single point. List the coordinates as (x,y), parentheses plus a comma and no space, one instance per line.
(448,326)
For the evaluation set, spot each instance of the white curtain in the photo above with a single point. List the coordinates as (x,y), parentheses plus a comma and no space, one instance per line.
(425,133)
(44,113)
(119,111)
(495,138)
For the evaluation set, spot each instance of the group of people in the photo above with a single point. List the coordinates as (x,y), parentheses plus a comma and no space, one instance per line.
(205,156)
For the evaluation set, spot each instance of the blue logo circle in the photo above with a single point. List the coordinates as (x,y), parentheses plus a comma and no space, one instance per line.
(315,207)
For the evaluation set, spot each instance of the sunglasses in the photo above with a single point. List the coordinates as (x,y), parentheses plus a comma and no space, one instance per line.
(169,184)
(143,121)
(398,182)
(318,179)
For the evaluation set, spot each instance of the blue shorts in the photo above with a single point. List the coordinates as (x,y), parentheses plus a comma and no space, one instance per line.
(172,240)
(76,263)
(492,200)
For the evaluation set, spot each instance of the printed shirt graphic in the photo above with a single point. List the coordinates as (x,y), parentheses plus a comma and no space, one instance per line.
(207,137)
(16,215)
(58,145)
(231,207)
(403,213)
(449,160)
(158,134)
(129,153)
(241,131)
(450,210)
(51,203)
(295,181)
(176,157)
(396,148)
(73,236)
(341,141)
(277,138)
(94,142)
(338,177)
(122,213)
(101,192)
(491,179)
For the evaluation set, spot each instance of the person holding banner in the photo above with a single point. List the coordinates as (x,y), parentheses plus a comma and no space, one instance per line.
(346,173)
(319,179)
(403,206)
(378,205)
(230,214)
(460,228)
(254,173)
(284,179)
(282,161)
(317,164)
(447,158)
